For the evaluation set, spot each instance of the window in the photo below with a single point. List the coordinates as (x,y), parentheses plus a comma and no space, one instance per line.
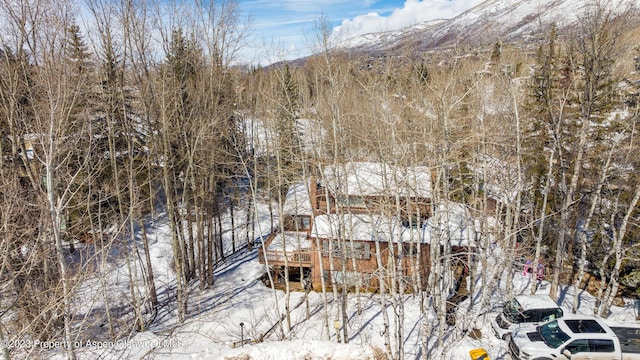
(413,222)
(298,223)
(302,222)
(585,326)
(513,311)
(549,314)
(552,335)
(578,346)
(601,345)
(347,277)
(353,201)
(360,250)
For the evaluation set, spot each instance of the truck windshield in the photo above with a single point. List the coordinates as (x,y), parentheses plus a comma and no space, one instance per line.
(513,312)
(552,335)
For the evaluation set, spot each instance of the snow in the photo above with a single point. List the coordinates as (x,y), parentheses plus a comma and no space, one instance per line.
(537,301)
(372,39)
(298,200)
(361,227)
(452,222)
(484,23)
(264,137)
(212,328)
(301,349)
(378,179)
(294,241)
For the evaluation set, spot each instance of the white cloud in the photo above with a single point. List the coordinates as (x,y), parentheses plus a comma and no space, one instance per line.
(412,12)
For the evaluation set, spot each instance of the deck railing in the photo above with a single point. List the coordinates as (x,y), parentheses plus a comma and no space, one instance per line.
(276,257)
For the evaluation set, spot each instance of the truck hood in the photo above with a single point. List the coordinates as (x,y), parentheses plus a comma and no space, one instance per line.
(529,341)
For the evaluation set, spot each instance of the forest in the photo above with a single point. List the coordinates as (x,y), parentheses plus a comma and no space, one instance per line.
(140,108)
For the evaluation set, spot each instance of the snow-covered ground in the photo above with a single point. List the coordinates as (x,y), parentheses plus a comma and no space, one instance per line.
(213,331)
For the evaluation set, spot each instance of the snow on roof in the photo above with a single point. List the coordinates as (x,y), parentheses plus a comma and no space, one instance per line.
(375,179)
(298,200)
(451,221)
(363,227)
(536,302)
(294,241)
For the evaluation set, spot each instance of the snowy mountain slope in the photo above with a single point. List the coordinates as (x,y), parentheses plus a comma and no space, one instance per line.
(508,20)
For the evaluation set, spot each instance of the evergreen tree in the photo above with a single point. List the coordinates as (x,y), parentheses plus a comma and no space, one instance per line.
(290,144)
(496,54)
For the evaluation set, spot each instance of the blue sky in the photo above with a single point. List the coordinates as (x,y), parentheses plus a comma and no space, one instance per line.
(285,29)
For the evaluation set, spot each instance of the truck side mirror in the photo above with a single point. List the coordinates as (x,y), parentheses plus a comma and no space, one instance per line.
(566,353)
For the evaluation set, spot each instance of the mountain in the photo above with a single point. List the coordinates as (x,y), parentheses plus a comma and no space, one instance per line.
(507,20)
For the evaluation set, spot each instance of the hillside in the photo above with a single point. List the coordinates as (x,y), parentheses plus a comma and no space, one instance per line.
(514,21)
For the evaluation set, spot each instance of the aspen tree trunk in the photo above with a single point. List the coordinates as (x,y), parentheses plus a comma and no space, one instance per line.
(341,238)
(543,217)
(132,173)
(210,247)
(253,188)
(519,168)
(123,216)
(618,237)
(103,268)
(435,270)
(336,302)
(55,216)
(5,349)
(233,223)
(153,296)
(135,33)
(582,239)
(335,115)
(323,285)
(306,284)
(564,213)
(444,285)
(178,256)
(382,278)
(281,182)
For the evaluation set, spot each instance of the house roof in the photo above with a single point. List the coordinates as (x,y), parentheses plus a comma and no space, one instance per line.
(291,240)
(451,222)
(360,227)
(298,200)
(376,179)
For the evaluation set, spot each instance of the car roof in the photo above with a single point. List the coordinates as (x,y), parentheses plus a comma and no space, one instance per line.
(585,326)
(536,302)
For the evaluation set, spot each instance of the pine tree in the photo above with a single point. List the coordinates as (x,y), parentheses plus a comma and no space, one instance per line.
(496,54)
(290,144)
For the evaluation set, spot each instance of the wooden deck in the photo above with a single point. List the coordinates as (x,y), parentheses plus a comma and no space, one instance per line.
(293,258)
(277,257)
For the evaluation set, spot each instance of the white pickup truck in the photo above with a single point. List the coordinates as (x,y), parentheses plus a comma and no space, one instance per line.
(576,338)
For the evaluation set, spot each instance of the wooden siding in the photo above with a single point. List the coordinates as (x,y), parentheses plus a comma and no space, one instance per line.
(368,268)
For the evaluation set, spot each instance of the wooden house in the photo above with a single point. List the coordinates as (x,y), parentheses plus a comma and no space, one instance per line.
(335,226)
(289,246)
(346,248)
